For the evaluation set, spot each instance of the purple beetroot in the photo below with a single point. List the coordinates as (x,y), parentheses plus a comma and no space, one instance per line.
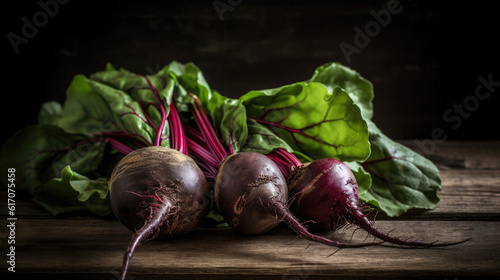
(157,192)
(326,192)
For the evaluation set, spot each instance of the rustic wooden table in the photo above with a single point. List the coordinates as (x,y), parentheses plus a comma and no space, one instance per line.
(92,248)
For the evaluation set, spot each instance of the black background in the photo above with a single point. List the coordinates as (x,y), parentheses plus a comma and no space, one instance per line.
(423,63)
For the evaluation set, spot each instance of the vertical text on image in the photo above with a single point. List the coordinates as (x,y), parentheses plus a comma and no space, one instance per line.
(11,219)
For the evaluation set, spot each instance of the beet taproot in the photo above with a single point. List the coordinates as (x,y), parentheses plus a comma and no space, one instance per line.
(157,192)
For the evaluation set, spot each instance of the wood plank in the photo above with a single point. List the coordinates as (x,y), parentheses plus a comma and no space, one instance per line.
(465,195)
(87,249)
(458,154)
(470,191)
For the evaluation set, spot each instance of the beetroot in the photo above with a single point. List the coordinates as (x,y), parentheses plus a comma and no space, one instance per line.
(157,192)
(251,194)
(326,192)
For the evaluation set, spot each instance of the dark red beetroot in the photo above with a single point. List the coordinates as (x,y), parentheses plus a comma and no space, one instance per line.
(251,194)
(157,192)
(326,192)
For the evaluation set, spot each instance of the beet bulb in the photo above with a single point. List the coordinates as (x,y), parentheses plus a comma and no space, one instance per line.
(326,192)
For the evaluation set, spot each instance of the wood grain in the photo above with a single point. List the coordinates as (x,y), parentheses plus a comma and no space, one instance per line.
(458,154)
(82,246)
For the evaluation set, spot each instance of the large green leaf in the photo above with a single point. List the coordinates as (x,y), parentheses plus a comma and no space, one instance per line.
(39,153)
(191,79)
(334,75)
(85,111)
(141,102)
(94,108)
(312,120)
(145,89)
(402,179)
